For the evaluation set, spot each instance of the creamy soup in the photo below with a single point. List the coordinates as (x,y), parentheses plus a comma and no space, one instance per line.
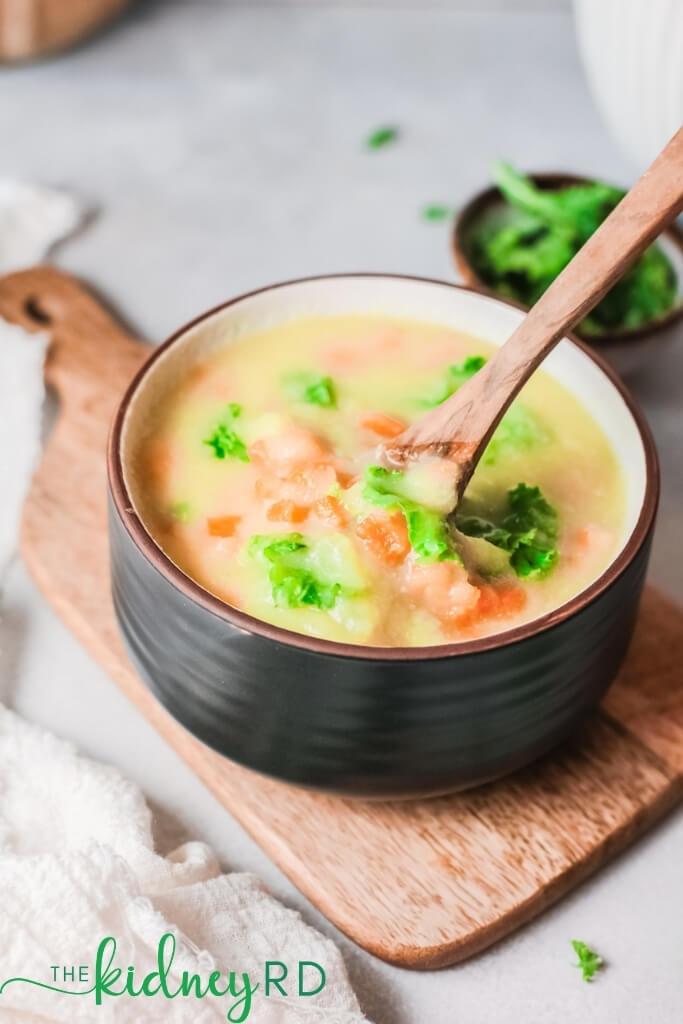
(262,483)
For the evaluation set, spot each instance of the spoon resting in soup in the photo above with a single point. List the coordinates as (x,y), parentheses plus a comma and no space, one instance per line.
(262,482)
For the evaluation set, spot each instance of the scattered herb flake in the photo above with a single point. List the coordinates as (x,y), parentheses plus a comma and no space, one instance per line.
(436,212)
(224,440)
(454,378)
(310,388)
(589,962)
(382,136)
(460,372)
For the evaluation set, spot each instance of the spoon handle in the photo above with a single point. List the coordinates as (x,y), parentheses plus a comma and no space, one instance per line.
(460,427)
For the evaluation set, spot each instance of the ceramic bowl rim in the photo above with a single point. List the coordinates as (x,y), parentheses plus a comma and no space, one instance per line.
(480,201)
(151,551)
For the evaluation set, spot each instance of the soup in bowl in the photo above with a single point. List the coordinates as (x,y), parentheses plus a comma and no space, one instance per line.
(320,618)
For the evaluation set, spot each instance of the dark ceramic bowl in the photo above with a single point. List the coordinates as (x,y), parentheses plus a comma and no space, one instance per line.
(627,350)
(369,721)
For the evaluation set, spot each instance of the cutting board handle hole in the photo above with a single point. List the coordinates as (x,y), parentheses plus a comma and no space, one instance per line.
(35,311)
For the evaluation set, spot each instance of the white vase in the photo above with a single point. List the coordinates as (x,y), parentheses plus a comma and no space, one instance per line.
(632,51)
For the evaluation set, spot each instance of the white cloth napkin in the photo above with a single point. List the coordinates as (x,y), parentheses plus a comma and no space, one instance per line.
(32,220)
(77,858)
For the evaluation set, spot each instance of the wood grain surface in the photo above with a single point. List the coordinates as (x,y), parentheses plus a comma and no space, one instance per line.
(420,884)
(32,28)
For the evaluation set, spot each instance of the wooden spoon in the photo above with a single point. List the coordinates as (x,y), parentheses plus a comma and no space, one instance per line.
(460,428)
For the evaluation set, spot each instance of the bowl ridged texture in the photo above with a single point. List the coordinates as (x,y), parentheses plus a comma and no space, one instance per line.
(360,726)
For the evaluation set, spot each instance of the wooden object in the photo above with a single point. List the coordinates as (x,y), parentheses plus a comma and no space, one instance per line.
(460,428)
(421,884)
(31,28)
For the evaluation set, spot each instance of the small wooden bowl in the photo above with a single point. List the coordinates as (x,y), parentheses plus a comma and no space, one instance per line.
(33,28)
(626,349)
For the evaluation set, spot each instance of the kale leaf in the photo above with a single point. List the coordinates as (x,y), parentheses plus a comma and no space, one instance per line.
(224,440)
(310,388)
(528,531)
(520,251)
(427,529)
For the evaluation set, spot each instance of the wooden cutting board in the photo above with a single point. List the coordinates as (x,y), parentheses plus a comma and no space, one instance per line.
(420,884)
(33,28)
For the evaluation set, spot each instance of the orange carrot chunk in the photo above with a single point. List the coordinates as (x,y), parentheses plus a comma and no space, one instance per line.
(288,450)
(499,601)
(512,600)
(287,512)
(382,424)
(331,511)
(385,537)
(345,479)
(222,526)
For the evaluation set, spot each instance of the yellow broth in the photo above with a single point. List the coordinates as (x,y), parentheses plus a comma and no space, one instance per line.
(299,468)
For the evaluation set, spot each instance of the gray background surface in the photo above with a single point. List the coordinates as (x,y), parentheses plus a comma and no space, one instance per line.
(222,145)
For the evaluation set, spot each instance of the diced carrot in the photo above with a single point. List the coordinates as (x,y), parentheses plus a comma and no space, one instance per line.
(374,349)
(512,600)
(343,357)
(331,511)
(488,604)
(266,488)
(385,537)
(501,601)
(382,424)
(591,539)
(283,452)
(345,479)
(309,482)
(303,485)
(444,589)
(222,526)
(287,512)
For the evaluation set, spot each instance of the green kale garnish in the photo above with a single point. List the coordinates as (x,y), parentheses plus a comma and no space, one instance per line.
(518,430)
(645,292)
(294,588)
(454,378)
(293,580)
(436,212)
(521,250)
(578,209)
(224,440)
(427,530)
(382,136)
(527,531)
(310,388)
(589,961)
(461,372)
(275,547)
